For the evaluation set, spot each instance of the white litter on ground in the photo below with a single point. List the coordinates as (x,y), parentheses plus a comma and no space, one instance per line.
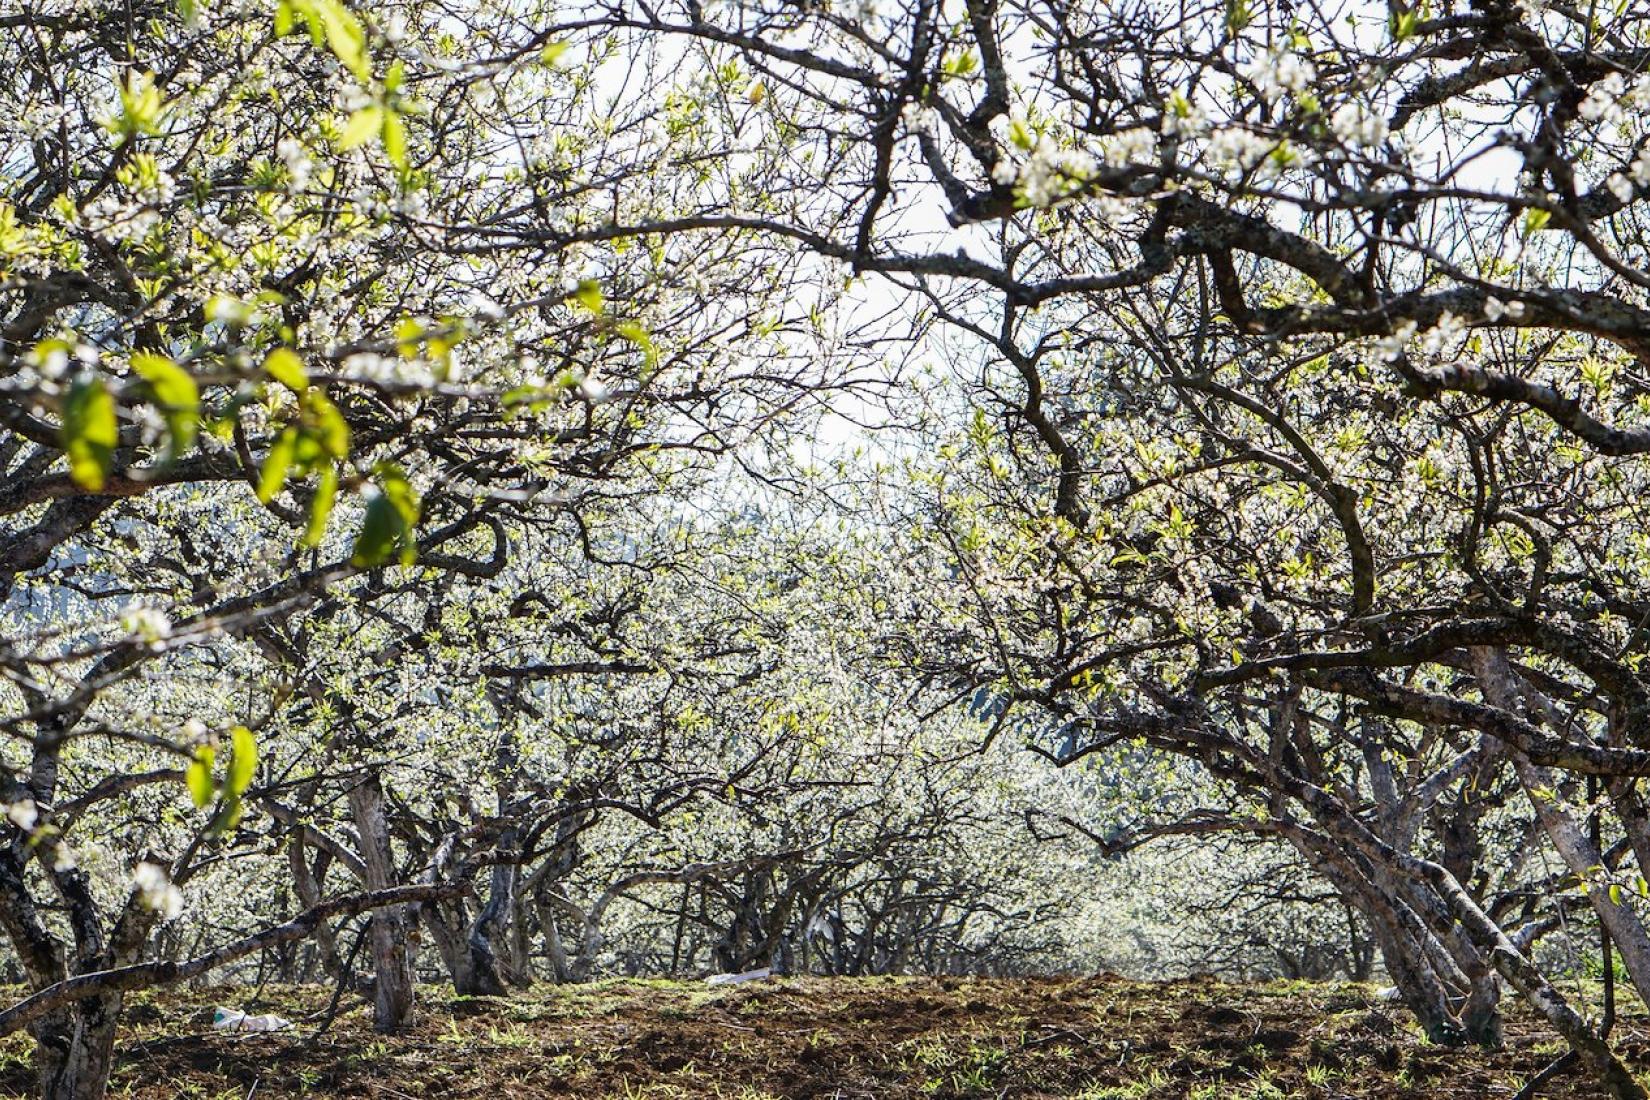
(233,1019)
(735,979)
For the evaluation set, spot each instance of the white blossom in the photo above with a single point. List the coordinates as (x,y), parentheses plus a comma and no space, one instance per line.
(1445,335)
(146,624)
(1233,146)
(299,167)
(1355,124)
(1133,146)
(155,889)
(23,813)
(918,118)
(592,389)
(1640,169)
(1603,102)
(1184,119)
(1392,345)
(1279,72)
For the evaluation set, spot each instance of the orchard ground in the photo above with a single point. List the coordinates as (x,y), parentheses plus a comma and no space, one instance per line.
(1102,1038)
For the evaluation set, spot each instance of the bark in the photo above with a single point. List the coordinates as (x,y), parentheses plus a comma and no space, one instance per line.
(1595,1054)
(123,979)
(1401,936)
(521,946)
(308,887)
(1502,687)
(561,967)
(445,924)
(1584,860)
(485,973)
(75,1049)
(392,929)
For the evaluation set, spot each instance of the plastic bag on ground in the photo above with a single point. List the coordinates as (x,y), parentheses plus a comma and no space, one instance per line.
(233,1019)
(735,979)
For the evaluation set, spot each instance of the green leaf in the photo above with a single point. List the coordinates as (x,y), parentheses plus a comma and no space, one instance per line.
(408,332)
(553,52)
(379,532)
(387,530)
(176,394)
(1404,24)
(363,125)
(243,760)
(331,21)
(326,423)
(90,432)
(1615,894)
(141,107)
(228,815)
(230,310)
(276,463)
(285,367)
(1535,221)
(320,507)
(589,295)
(395,139)
(400,492)
(198,777)
(638,335)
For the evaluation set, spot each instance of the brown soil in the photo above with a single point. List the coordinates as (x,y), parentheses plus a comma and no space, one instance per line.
(884,1038)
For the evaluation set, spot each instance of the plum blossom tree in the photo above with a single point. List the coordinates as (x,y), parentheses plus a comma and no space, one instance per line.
(359,367)
(1309,416)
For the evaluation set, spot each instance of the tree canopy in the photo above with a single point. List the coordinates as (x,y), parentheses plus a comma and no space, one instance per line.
(522,491)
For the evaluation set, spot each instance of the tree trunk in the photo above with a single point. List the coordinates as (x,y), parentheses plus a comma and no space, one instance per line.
(446,924)
(561,968)
(521,945)
(485,975)
(1503,688)
(308,887)
(391,928)
(1593,1051)
(75,1049)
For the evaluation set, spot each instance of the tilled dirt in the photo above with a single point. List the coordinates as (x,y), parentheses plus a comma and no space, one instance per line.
(1098,1038)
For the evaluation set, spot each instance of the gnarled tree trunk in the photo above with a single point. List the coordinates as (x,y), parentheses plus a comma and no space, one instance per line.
(392,930)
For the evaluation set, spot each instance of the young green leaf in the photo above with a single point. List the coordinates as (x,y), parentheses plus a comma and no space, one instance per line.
(198,776)
(90,432)
(228,815)
(589,295)
(243,760)
(276,463)
(387,529)
(364,125)
(320,506)
(395,139)
(326,423)
(176,394)
(285,367)
(636,334)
